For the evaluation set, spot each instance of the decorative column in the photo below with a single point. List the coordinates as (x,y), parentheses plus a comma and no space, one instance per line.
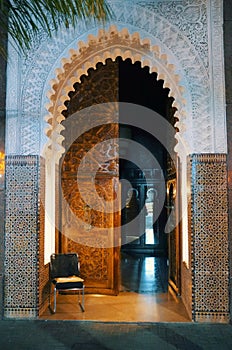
(22,237)
(209,237)
(227,5)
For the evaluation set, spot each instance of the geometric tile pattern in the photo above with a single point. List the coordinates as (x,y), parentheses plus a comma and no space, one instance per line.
(228,82)
(21,236)
(229,127)
(209,238)
(2,197)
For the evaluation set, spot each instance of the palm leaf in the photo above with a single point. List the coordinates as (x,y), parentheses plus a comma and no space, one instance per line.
(23,19)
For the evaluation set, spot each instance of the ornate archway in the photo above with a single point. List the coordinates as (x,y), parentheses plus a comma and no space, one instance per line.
(106,45)
(99,87)
(109,44)
(177,34)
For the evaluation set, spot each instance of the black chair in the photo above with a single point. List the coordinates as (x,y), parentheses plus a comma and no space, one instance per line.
(65,275)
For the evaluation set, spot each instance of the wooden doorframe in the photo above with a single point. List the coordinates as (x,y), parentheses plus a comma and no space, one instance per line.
(174,239)
(117,238)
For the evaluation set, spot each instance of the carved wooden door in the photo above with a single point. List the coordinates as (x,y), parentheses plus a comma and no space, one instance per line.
(89,228)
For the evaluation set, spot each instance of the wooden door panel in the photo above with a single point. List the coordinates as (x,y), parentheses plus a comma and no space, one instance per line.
(87,227)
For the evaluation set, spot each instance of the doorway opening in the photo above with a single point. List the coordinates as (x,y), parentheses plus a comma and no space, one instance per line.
(146,244)
(136,269)
(144,250)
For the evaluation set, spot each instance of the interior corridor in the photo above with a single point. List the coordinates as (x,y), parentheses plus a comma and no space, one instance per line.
(144,297)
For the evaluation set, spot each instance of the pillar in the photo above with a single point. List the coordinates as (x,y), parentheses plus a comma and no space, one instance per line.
(209,237)
(25,278)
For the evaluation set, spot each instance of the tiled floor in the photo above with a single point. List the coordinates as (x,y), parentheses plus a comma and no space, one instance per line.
(144,297)
(126,307)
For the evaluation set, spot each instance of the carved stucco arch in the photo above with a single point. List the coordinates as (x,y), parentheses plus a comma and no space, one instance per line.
(182,46)
(108,44)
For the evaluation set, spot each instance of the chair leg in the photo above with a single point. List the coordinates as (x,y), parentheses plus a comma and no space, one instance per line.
(54,309)
(83,299)
(50,297)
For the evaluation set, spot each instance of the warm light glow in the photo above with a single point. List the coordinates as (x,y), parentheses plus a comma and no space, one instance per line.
(2,163)
(184,204)
(49,234)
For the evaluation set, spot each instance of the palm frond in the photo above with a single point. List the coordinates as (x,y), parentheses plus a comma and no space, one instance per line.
(23,19)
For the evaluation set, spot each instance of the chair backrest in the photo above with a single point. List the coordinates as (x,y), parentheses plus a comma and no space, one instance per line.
(64,265)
